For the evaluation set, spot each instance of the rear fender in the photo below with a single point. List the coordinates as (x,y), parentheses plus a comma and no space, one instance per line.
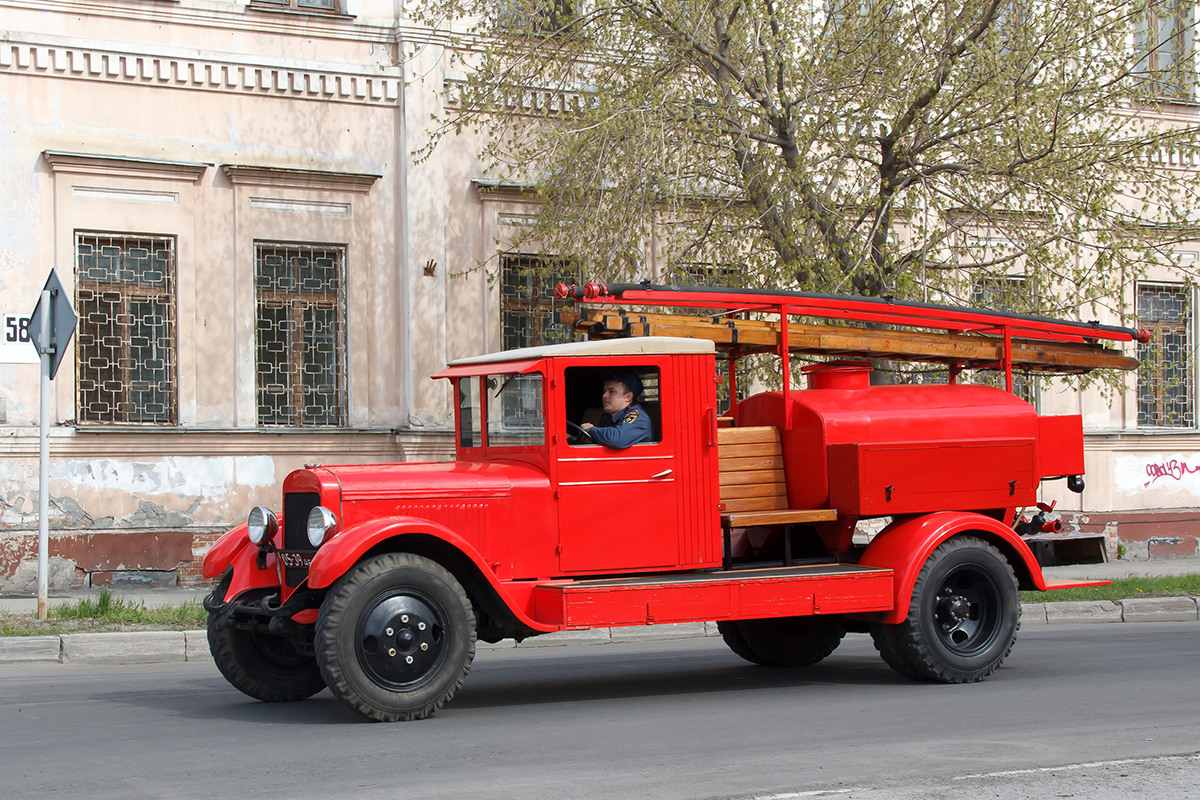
(906,544)
(234,550)
(335,558)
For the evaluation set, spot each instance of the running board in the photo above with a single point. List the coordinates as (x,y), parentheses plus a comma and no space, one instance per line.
(1084,584)
(706,596)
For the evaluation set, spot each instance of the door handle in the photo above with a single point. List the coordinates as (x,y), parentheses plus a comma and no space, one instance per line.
(662,474)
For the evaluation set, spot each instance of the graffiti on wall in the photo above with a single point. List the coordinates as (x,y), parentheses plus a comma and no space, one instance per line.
(1171,472)
(1171,469)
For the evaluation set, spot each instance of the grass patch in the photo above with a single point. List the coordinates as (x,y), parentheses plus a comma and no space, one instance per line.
(107,612)
(1123,589)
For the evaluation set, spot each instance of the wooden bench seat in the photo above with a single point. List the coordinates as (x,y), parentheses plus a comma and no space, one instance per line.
(753,486)
(784,516)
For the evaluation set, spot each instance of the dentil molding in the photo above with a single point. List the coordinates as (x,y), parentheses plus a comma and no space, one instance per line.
(197,74)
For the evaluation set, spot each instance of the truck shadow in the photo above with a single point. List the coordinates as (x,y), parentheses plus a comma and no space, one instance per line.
(566,680)
(568,676)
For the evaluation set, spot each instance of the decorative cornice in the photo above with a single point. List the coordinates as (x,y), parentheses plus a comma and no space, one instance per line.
(313,444)
(1141,441)
(531,101)
(299,178)
(123,166)
(197,74)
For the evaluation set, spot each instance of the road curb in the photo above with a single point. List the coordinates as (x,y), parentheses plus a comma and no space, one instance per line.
(1160,609)
(162,647)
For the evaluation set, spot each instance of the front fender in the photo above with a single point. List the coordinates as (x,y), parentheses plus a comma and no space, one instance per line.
(337,556)
(224,551)
(905,545)
(234,550)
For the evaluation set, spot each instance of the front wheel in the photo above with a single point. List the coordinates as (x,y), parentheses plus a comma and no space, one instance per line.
(396,637)
(963,618)
(265,667)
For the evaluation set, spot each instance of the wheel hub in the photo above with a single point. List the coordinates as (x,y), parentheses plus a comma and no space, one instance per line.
(958,608)
(965,611)
(400,641)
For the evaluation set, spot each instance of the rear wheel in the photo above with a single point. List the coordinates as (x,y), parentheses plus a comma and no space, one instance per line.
(396,637)
(783,642)
(963,618)
(731,632)
(265,667)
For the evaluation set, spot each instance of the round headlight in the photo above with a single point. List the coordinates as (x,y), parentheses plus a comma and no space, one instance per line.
(320,522)
(261,524)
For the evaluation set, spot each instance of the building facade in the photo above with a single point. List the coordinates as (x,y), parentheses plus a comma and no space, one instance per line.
(266,275)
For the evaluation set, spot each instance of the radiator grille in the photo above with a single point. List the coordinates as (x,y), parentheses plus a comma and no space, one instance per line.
(296,506)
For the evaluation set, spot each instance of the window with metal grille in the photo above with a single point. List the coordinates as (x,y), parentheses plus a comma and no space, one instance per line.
(125,348)
(527,319)
(527,301)
(325,6)
(709,274)
(300,334)
(1166,376)
(1006,293)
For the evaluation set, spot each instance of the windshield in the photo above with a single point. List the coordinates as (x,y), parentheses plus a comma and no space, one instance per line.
(515,410)
(470,431)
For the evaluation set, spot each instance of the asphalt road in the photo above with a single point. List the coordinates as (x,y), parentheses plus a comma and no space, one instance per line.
(1100,711)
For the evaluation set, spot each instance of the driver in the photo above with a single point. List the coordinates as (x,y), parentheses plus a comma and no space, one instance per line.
(624,422)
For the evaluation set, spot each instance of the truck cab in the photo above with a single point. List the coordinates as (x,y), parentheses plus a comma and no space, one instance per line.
(645,507)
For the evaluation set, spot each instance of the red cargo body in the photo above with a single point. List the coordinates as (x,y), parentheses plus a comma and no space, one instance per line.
(887,450)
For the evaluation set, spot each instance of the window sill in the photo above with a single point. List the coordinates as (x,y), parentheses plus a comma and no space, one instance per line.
(1141,432)
(151,429)
(271,8)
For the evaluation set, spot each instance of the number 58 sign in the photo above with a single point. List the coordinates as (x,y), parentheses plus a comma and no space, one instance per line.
(15,347)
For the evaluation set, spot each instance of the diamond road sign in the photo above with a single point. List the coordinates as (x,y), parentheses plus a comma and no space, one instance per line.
(62,322)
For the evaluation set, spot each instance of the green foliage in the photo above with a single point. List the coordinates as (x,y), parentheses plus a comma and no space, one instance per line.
(866,146)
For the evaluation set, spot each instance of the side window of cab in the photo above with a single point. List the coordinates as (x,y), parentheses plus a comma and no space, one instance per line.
(623,401)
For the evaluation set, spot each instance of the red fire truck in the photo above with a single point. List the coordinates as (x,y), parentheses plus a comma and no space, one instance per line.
(796,516)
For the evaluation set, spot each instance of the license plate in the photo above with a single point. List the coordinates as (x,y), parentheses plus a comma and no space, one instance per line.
(295,560)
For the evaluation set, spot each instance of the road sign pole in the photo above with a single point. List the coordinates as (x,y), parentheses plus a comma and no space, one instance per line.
(51,326)
(44,465)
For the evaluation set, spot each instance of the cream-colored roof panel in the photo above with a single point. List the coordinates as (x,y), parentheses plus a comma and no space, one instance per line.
(637,346)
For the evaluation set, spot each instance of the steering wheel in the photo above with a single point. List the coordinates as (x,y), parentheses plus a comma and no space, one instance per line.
(577,434)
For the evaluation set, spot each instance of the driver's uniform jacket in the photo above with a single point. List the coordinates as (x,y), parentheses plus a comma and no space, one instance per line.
(623,429)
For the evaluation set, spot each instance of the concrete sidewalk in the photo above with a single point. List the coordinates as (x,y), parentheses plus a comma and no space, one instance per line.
(177,646)
(1184,565)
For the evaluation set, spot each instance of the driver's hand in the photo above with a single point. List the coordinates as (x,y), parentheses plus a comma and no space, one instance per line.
(587,426)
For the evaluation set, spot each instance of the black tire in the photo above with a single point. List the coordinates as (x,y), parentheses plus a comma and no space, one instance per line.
(887,642)
(396,637)
(784,641)
(731,632)
(268,668)
(964,615)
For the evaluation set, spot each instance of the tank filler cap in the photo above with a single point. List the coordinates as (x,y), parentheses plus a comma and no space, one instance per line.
(844,375)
